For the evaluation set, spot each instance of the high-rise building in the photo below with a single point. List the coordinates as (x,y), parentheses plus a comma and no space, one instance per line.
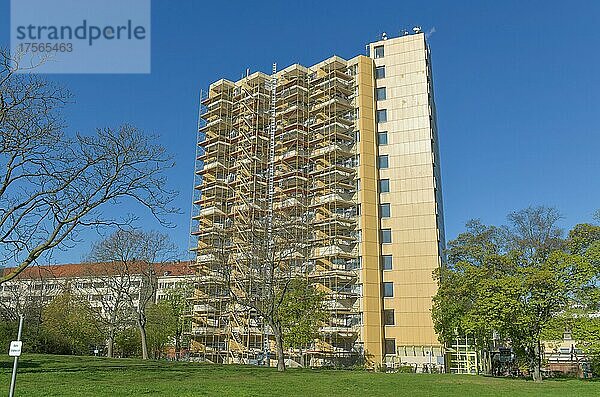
(338,165)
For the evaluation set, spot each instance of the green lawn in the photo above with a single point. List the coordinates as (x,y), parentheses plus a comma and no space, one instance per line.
(41,375)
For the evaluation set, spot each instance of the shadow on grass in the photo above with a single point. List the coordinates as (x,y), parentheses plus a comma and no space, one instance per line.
(566,379)
(553,379)
(22,364)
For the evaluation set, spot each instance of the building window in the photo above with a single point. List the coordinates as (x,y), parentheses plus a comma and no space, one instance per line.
(384,210)
(380,94)
(379,52)
(357,136)
(386,236)
(357,209)
(382,138)
(388,317)
(358,185)
(390,346)
(383,161)
(382,116)
(388,290)
(386,262)
(380,72)
(384,186)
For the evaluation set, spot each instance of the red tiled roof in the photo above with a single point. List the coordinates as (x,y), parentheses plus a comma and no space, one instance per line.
(94,269)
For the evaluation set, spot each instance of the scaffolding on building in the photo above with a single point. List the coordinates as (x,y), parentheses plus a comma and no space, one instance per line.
(333,172)
(463,357)
(276,173)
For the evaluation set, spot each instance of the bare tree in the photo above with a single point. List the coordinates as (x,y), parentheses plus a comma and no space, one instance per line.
(263,273)
(110,282)
(52,184)
(534,232)
(136,258)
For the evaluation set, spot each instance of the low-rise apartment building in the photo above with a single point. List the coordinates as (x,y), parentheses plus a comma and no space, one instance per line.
(98,283)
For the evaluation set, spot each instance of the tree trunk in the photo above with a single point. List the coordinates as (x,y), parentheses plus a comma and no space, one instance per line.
(279,346)
(177,346)
(537,363)
(110,343)
(111,340)
(142,328)
(111,331)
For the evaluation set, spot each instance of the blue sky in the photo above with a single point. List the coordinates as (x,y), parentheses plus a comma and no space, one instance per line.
(516,87)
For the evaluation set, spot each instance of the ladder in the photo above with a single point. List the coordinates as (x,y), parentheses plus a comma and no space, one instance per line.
(271,193)
(272,129)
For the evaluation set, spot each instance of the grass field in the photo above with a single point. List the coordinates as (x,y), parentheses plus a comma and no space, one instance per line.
(41,375)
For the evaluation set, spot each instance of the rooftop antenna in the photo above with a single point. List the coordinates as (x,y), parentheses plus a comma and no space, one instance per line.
(384,36)
(417,29)
(404,32)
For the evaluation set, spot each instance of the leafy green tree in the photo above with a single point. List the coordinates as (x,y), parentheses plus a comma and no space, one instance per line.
(8,331)
(177,299)
(68,321)
(475,268)
(586,331)
(127,341)
(584,323)
(161,327)
(582,237)
(513,280)
(301,313)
